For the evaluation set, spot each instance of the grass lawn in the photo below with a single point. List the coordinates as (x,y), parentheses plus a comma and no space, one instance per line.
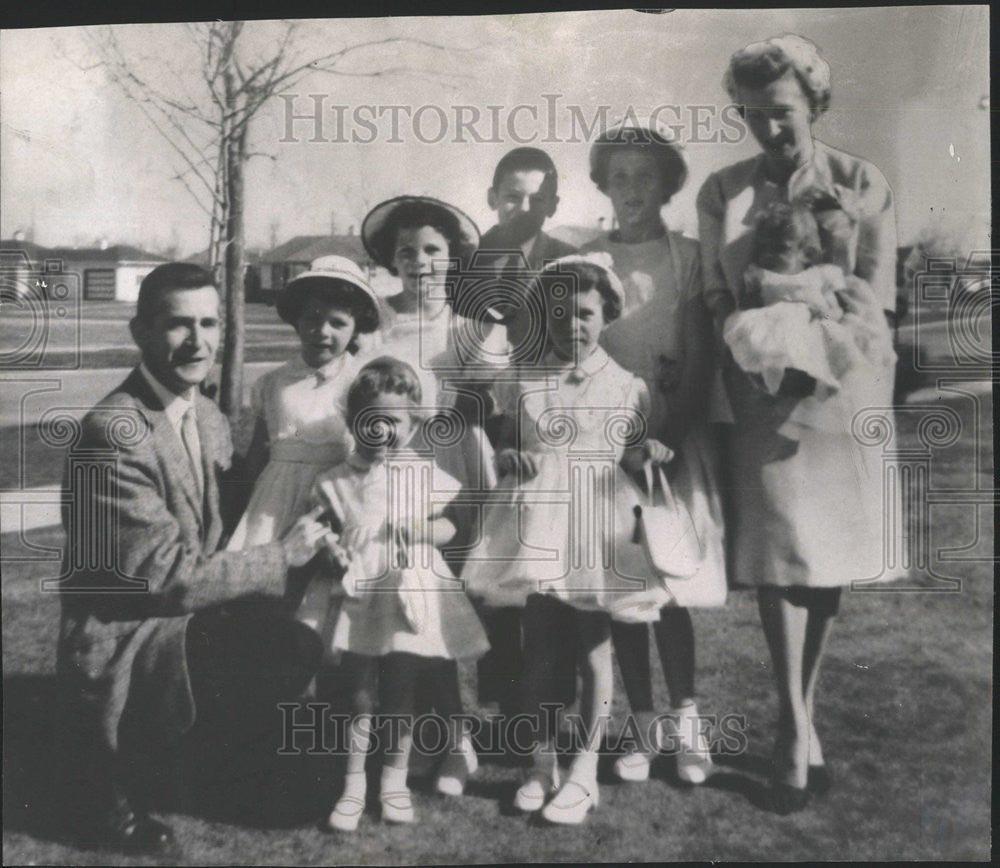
(904,712)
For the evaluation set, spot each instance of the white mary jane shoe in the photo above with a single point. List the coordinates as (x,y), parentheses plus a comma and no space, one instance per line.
(346,814)
(537,787)
(452,776)
(397,807)
(694,760)
(632,767)
(571,804)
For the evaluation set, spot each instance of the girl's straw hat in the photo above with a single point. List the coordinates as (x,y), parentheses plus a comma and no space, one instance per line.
(325,270)
(378,235)
(597,259)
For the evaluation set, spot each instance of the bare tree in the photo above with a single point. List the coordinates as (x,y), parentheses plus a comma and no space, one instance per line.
(208,129)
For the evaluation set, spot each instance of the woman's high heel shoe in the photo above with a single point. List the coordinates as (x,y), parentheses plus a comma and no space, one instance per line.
(785,799)
(820,781)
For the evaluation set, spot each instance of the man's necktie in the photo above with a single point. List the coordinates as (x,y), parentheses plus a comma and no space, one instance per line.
(189,434)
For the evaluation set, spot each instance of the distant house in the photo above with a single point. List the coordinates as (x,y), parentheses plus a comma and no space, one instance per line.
(106,273)
(20,261)
(285,261)
(251,285)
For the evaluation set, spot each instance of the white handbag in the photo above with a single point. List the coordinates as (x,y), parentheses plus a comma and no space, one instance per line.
(411,592)
(666,531)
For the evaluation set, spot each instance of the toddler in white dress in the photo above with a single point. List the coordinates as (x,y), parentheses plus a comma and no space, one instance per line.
(406,618)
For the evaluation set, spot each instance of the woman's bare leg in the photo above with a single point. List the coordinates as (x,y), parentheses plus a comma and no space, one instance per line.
(818,629)
(784,625)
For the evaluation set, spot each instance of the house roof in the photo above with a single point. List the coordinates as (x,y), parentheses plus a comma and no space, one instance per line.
(253,257)
(112,253)
(109,255)
(32,250)
(306,248)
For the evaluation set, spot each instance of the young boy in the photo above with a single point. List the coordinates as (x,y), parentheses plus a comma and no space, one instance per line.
(524,195)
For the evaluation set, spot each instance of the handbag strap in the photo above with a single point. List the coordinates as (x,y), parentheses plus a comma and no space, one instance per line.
(651,477)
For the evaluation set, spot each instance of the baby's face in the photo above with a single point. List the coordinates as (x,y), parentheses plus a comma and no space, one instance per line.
(789,259)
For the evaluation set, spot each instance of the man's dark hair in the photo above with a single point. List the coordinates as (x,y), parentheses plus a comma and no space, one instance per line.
(526,160)
(166,278)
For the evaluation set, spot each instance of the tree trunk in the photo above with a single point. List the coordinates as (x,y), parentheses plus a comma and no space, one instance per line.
(231,391)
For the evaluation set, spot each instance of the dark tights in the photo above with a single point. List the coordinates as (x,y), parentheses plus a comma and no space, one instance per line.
(674,634)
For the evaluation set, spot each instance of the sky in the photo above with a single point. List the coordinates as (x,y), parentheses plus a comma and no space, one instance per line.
(79,162)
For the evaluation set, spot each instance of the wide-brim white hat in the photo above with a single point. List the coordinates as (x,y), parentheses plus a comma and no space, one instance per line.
(380,242)
(324,270)
(597,259)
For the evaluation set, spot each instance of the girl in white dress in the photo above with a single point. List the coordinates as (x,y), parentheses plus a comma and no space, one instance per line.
(561,513)
(664,336)
(405,612)
(300,428)
(428,244)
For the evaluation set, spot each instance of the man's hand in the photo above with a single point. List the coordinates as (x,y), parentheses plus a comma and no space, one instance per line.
(303,538)
(512,461)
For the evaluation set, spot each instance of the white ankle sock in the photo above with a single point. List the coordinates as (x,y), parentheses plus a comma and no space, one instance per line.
(393,780)
(584,767)
(355,784)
